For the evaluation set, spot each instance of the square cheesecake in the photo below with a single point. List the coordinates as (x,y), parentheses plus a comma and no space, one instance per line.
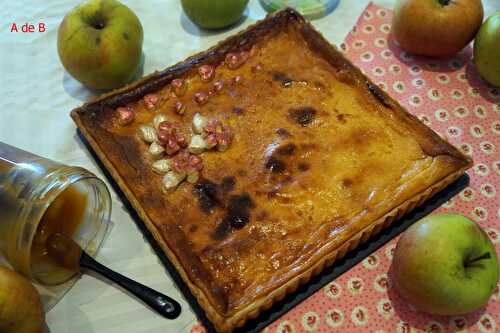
(257,163)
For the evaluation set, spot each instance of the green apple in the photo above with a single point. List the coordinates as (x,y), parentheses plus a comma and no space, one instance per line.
(487,50)
(100,43)
(445,264)
(214,14)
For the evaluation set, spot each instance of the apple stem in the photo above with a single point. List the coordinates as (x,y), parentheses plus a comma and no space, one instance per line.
(444,2)
(487,255)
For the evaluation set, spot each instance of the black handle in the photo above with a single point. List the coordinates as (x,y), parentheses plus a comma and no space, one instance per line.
(164,305)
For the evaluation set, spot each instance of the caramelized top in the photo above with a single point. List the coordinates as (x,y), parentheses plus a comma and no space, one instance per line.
(317,155)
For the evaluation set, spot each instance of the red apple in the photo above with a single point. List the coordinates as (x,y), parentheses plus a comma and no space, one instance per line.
(436,27)
(20,306)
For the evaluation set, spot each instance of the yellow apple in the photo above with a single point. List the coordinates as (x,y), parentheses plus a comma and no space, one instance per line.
(100,44)
(20,306)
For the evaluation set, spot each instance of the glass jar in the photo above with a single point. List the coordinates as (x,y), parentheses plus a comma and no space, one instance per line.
(39,196)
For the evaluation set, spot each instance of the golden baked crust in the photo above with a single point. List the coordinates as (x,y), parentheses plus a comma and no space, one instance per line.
(321,160)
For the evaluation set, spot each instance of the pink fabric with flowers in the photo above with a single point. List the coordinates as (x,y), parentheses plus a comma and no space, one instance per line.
(449,96)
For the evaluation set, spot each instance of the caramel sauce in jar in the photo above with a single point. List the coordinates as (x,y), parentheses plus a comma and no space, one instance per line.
(39,197)
(64,216)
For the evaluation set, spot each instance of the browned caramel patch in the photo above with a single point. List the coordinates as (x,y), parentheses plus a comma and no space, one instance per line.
(303,166)
(302,115)
(237,214)
(227,184)
(319,85)
(275,165)
(285,80)
(237,110)
(207,193)
(211,195)
(283,133)
(341,118)
(287,150)
(347,182)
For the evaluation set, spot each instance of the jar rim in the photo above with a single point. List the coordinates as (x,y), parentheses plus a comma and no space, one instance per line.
(45,193)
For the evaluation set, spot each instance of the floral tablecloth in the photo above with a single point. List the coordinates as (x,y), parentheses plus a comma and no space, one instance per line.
(449,96)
